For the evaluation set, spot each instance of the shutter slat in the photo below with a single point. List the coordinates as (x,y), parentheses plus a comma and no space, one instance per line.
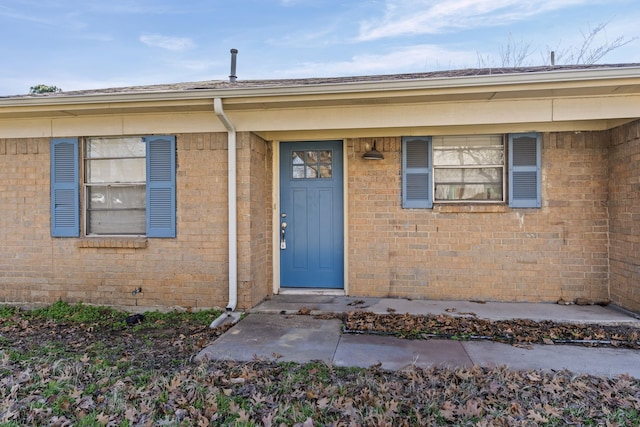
(415,186)
(65,191)
(416,172)
(161,186)
(417,153)
(524,171)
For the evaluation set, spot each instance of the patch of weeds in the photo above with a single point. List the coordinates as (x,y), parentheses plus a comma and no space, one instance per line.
(52,389)
(295,413)
(8,311)
(61,311)
(625,416)
(18,356)
(163,397)
(309,373)
(90,389)
(412,334)
(51,350)
(175,318)
(205,316)
(223,403)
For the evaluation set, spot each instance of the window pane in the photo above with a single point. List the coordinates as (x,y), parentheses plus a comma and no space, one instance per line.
(312,157)
(454,156)
(325,156)
(312,171)
(97,197)
(116,222)
(298,172)
(116,170)
(468,184)
(116,209)
(113,197)
(468,175)
(325,171)
(115,147)
(452,192)
(298,157)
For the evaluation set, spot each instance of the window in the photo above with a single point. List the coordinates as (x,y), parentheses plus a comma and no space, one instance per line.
(115,186)
(468,168)
(471,169)
(128,186)
(311,164)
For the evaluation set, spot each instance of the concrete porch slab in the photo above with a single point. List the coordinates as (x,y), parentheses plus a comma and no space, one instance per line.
(393,353)
(288,338)
(322,304)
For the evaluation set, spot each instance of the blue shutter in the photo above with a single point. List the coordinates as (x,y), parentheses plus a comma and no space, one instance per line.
(65,188)
(524,170)
(416,172)
(161,186)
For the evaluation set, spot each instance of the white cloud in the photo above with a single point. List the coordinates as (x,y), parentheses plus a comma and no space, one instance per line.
(13,14)
(418,58)
(410,17)
(166,42)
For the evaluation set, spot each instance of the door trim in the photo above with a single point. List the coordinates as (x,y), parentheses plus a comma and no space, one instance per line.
(275,224)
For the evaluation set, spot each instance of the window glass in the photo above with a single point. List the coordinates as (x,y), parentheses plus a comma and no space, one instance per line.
(116,223)
(468,168)
(115,147)
(115,190)
(116,197)
(312,164)
(116,170)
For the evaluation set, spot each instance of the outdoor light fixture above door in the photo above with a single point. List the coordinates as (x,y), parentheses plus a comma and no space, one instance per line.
(373,154)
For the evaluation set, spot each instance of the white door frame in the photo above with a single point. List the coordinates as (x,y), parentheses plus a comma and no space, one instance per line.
(275,225)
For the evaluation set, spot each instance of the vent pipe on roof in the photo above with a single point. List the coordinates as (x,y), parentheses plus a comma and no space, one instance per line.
(553,58)
(233,77)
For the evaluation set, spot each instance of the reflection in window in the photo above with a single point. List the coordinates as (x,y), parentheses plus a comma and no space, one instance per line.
(312,164)
(468,167)
(115,186)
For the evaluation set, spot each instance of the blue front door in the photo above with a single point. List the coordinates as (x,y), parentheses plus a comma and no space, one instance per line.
(311,215)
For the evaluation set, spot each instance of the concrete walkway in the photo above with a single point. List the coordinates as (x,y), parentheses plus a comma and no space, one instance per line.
(274,331)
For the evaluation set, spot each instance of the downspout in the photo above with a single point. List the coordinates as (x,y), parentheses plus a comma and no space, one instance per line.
(233,222)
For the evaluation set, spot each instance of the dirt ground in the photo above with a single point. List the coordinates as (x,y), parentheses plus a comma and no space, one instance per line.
(107,373)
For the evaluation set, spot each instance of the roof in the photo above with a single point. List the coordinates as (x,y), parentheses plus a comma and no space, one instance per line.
(284,83)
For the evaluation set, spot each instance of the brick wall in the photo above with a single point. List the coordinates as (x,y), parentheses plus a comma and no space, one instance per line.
(25,246)
(476,252)
(624,210)
(189,271)
(449,252)
(254,220)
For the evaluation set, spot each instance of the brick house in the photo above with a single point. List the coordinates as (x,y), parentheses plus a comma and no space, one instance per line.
(504,185)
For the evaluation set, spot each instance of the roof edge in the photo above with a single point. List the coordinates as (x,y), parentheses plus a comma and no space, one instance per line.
(299,88)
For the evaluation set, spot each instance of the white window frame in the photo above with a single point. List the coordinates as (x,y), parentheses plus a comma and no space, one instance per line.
(85,202)
(502,167)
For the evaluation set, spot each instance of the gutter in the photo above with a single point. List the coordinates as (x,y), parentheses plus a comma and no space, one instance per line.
(233,226)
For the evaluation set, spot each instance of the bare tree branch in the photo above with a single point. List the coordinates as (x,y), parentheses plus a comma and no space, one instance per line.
(590,51)
(514,53)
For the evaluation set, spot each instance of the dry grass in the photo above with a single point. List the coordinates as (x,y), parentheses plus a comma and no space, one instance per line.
(92,369)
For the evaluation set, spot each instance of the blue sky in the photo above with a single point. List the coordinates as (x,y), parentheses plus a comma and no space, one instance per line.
(88,44)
